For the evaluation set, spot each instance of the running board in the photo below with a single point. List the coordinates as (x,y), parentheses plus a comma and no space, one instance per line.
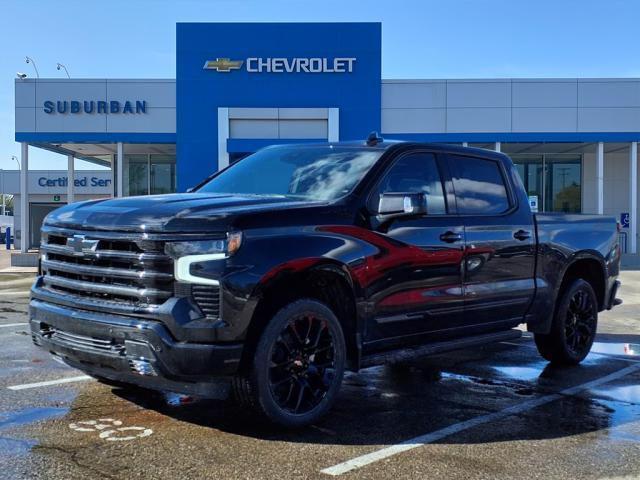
(403,354)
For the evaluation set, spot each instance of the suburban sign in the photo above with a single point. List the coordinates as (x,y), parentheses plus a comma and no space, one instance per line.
(94,106)
(284,65)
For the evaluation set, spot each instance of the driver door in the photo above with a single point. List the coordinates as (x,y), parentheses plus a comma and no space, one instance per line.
(419,266)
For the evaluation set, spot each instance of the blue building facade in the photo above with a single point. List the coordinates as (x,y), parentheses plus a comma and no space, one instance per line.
(283,65)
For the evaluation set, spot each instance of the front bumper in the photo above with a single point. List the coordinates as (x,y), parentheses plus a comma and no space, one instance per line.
(133,350)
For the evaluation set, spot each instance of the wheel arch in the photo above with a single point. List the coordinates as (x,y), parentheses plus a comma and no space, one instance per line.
(585,264)
(590,266)
(321,279)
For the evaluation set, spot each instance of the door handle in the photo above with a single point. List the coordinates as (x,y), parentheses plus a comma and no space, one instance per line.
(522,235)
(450,237)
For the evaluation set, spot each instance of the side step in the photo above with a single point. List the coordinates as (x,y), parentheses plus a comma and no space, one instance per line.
(412,353)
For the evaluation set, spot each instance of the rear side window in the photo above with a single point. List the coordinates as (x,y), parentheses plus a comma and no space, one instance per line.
(479,186)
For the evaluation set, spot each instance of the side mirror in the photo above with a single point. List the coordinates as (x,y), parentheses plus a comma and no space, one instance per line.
(402,204)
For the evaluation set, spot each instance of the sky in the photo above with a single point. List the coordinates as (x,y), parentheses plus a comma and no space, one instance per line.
(420,39)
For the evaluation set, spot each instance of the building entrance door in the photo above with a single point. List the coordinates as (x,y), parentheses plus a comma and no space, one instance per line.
(37,212)
(555,179)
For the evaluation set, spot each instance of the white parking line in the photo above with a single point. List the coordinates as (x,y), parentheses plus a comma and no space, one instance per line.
(617,356)
(23,324)
(416,442)
(48,383)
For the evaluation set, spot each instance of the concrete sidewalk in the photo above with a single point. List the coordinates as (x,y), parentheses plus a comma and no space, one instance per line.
(15,285)
(5,264)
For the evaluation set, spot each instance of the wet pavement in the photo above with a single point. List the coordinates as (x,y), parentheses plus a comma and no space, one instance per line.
(493,412)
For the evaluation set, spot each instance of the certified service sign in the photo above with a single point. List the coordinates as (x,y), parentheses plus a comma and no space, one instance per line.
(284,65)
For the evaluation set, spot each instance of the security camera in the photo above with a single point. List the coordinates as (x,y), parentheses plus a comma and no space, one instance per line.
(21,75)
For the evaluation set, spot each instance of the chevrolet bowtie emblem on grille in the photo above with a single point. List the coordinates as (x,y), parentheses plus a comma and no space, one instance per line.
(80,244)
(223,64)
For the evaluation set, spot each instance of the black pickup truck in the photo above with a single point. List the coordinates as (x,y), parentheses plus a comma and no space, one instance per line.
(279,272)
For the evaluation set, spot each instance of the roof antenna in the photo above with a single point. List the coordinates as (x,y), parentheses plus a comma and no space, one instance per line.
(374,139)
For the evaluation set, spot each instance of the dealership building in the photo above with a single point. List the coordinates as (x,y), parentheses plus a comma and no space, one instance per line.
(240,87)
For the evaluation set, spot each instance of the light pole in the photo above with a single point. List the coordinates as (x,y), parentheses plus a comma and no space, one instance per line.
(17,161)
(30,60)
(61,66)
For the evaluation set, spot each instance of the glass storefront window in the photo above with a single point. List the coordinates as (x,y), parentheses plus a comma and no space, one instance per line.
(137,167)
(530,169)
(146,174)
(556,179)
(563,183)
(163,174)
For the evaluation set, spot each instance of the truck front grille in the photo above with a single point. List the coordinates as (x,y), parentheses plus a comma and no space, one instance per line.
(130,270)
(82,342)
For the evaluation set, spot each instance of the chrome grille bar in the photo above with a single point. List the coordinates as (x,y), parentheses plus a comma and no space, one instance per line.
(104,271)
(133,257)
(146,294)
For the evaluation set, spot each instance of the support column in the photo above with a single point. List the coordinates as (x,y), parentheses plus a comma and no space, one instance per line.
(600,178)
(498,147)
(24,198)
(120,170)
(113,176)
(2,187)
(71,175)
(333,125)
(223,136)
(633,198)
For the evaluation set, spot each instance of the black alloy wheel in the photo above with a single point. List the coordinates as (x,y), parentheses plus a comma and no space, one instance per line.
(297,367)
(580,323)
(574,325)
(302,365)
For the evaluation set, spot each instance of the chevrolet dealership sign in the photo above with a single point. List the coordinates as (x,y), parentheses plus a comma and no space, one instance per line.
(284,65)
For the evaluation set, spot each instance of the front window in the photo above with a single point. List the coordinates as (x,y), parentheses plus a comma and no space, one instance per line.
(416,173)
(314,172)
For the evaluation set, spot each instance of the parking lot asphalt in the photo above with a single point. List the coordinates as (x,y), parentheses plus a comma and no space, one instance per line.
(494,412)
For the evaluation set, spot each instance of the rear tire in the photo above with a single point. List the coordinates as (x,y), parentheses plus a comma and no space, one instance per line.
(298,366)
(573,328)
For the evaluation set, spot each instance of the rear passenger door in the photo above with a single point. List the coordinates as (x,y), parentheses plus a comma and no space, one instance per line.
(499,253)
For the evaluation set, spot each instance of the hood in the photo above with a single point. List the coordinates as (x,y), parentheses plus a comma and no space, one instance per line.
(188,212)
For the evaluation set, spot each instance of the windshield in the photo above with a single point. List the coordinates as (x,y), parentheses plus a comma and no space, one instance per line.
(315,172)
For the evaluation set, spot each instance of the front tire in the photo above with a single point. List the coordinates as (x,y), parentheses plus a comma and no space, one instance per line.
(573,329)
(297,367)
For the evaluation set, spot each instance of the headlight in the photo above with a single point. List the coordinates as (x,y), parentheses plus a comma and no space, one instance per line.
(188,256)
(204,247)
(234,240)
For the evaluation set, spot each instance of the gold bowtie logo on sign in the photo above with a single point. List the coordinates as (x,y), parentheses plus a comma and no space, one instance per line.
(223,64)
